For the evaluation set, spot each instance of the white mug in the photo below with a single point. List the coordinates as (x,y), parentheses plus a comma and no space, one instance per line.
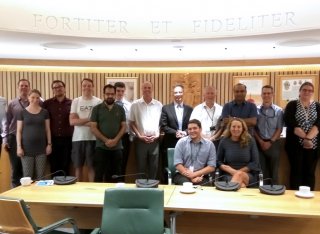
(25,181)
(187,185)
(304,189)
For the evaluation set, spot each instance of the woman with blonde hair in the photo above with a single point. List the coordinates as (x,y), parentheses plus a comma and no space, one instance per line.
(238,156)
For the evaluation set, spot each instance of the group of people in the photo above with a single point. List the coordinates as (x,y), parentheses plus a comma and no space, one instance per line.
(240,139)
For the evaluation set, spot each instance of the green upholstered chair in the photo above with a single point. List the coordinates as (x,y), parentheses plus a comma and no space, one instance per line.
(15,218)
(133,211)
(171,169)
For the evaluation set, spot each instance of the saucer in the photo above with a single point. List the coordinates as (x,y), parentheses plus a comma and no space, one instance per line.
(187,191)
(304,195)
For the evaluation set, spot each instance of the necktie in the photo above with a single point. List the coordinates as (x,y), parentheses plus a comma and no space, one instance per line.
(179,116)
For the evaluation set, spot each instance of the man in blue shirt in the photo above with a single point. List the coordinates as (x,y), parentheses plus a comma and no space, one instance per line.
(267,133)
(240,108)
(194,156)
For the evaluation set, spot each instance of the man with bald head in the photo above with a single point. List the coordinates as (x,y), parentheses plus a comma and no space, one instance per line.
(240,108)
(208,113)
(144,121)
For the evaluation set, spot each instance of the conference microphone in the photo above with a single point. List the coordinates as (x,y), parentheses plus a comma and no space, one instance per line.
(270,189)
(226,185)
(61,180)
(141,183)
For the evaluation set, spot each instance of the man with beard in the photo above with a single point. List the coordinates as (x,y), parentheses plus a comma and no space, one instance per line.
(108,124)
(61,132)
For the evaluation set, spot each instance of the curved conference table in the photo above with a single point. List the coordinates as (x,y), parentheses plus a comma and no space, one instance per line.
(205,211)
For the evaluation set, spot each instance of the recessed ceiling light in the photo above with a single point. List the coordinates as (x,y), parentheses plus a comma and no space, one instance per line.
(299,42)
(63,45)
(178,46)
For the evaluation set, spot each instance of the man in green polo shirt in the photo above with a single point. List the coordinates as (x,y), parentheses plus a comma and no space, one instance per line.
(108,124)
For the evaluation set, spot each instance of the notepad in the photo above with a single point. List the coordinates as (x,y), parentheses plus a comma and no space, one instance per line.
(45,182)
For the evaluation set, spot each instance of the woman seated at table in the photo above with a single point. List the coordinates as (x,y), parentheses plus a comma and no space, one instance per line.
(238,154)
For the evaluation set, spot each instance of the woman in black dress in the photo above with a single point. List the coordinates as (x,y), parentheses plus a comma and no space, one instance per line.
(302,118)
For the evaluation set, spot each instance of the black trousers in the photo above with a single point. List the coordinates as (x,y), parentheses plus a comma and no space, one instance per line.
(125,152)
(15,161)
(180,179)
(303,164)
(107,163)
(60,157)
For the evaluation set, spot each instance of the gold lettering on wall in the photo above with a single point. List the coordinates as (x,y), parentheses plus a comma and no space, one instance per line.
(192,87)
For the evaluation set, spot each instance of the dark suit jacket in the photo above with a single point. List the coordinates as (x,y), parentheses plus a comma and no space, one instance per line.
(169,123)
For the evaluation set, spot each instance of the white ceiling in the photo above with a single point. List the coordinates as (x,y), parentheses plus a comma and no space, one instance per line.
(299,43)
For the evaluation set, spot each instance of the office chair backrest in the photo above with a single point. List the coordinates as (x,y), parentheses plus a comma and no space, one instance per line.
(170,157)
(15,217)
(133,210)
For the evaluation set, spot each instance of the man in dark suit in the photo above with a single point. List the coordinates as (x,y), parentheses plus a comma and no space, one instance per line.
(174,122)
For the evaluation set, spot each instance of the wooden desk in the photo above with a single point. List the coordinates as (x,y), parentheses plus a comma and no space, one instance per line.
(245,211)
(81,201)
(245,201)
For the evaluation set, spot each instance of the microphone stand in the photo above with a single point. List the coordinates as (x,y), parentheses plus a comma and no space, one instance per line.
(61,180)
(141,183)
(53,173)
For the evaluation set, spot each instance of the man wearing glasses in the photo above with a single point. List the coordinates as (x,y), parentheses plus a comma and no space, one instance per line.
(267,133)
(61,131)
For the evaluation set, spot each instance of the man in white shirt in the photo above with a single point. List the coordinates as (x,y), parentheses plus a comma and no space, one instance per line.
(120,100)
(208,113)
(83,140)
(144,121)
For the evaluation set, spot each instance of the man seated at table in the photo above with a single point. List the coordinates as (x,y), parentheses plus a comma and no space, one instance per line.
(194,156)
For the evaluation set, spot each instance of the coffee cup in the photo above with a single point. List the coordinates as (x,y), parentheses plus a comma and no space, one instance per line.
(120,185)
(304,190)
(187,185)
(25,181)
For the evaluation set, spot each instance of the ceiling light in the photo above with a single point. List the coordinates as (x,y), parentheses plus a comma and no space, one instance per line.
(299,42)
(63,45)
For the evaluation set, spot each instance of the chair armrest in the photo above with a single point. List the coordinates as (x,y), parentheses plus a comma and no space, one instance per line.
(96,231)
(169,175)
(166,231)
(58,224)
(169,172)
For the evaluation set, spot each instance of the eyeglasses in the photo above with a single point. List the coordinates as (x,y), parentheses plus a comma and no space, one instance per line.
(307,90)
(57,87)
(268,113)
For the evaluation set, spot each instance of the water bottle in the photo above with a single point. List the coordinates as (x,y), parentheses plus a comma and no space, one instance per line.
(260,178)
(169,181)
